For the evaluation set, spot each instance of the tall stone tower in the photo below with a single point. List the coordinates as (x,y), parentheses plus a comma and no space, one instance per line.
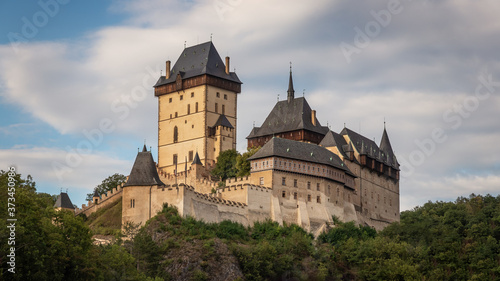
(197,101)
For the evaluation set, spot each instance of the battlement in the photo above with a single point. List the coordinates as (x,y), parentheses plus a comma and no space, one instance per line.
(240,180)
(104,200)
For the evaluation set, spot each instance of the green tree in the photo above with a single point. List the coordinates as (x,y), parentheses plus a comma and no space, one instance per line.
(107,184)
(226,165)
(50,245)
(242,163)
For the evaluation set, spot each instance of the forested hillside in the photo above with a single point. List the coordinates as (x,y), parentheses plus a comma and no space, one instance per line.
(438,241)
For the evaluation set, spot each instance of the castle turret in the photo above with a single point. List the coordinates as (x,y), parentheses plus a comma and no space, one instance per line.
(96,197)
(64,203)
(137,204)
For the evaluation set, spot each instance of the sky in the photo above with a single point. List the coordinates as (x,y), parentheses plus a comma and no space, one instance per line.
(76,77)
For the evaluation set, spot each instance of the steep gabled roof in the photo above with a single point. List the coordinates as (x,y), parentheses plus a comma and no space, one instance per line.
(63,201)
(144,171)
(300,151)
(332,139)
(365,146)
(288,116)
(198,60)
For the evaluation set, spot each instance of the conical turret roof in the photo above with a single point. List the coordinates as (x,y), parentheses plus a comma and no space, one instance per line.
(144,171)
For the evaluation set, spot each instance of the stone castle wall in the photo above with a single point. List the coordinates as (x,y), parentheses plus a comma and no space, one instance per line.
(105,200)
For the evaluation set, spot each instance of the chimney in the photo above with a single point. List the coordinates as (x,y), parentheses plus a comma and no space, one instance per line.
(313,117)
(227,65)
(167,71)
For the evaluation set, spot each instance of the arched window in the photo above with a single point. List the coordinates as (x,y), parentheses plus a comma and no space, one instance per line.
(176,134)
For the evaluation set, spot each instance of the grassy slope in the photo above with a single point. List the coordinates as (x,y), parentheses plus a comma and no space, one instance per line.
(106,221)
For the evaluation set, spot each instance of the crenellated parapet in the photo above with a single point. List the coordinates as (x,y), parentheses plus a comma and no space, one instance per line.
(104,200)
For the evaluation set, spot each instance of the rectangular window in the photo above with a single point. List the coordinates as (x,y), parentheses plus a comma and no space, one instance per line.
(175,159)
(283,181)
(190,155)
(216,108)
(192,94)
(169,100)
(317,186)
(225,96)
(309,197)
(261,180)
(189,109)
(318,199)
(295,195)
(181,98)
(176,115)
(223,109)
(218,94)
(132,203)
(308,185)
(283,194)
(295,183)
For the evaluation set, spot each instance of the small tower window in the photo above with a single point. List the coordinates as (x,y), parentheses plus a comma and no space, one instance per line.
(283,181)
(190,155)
(283,194)
(318,199)
(196,107)
(218,94)
(170,100)
(181,98)
(317,187)
(295,195)
(189,108)
(308,185)
(216,108)
(223,109)
(225,96)
(309,197)
(192,94)
(295,184)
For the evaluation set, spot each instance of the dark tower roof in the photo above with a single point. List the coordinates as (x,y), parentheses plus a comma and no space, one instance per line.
(291,91)
(198,60)
(300,151)
(196,160)
(144,171)
(385,146)
(288,116)
(95,193)
(63,201)
(222,121)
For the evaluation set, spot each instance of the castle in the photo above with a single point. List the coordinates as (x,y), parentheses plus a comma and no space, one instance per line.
(304,173)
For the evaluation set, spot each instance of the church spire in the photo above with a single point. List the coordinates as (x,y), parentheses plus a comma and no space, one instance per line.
(291,91)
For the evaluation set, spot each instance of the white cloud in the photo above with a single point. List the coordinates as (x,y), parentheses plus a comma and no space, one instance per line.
(425,61)
(80,178)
